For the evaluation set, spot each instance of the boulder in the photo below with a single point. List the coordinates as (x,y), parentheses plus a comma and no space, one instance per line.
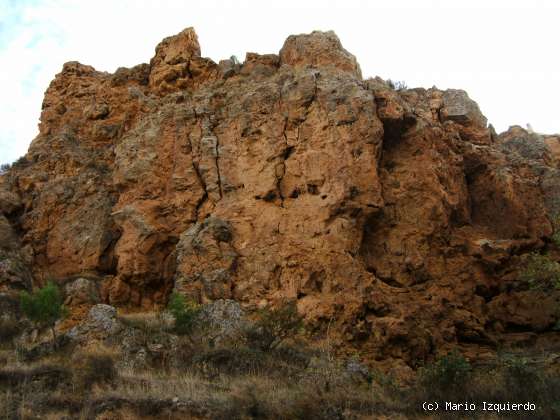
(101,323)
(318,49)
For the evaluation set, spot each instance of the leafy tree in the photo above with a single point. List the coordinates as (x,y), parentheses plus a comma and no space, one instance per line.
(44,306)
(273,326)
(184,312)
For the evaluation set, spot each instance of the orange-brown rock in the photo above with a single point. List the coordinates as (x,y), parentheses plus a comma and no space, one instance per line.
(396,217)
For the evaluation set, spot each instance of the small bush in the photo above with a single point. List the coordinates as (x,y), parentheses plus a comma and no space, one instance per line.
(520,377)
(5,167)
(541,272)
(513,377)
(184,312)
(447,373)
(397,84)
(273,326)
(44,306)
(22,162)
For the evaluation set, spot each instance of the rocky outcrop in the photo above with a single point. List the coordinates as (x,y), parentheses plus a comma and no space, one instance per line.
(397,218)
(15,275)
(101,323)
(318,49)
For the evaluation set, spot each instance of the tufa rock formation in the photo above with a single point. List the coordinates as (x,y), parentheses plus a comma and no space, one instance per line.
(397,218)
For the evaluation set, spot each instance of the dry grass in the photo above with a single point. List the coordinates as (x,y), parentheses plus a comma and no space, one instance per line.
(154,321)
(9,328)
(251,396)
(95,367)
(237,379)
(88,385)
(511,378)
(159,385)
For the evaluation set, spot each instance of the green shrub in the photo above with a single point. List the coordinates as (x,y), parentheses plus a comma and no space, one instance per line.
(21,162)
(532,379)
(541,272)
(273,326)
(520,376)
(184,312)
(44,306)
(447,373)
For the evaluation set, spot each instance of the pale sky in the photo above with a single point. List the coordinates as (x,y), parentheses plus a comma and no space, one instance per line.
(503,53)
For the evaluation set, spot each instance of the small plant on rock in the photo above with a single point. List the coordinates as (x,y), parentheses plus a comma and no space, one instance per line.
(541,272)
(22,162)
(44,307)
(397,84)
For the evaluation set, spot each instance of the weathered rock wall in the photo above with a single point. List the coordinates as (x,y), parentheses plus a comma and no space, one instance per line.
(397,217)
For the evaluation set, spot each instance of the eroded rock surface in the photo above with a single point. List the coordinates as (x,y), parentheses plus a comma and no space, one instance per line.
(399,218)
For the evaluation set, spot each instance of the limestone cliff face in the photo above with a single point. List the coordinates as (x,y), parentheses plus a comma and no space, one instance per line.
(397,217)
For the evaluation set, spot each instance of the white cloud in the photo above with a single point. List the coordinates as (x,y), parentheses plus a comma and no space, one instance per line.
(503,52)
